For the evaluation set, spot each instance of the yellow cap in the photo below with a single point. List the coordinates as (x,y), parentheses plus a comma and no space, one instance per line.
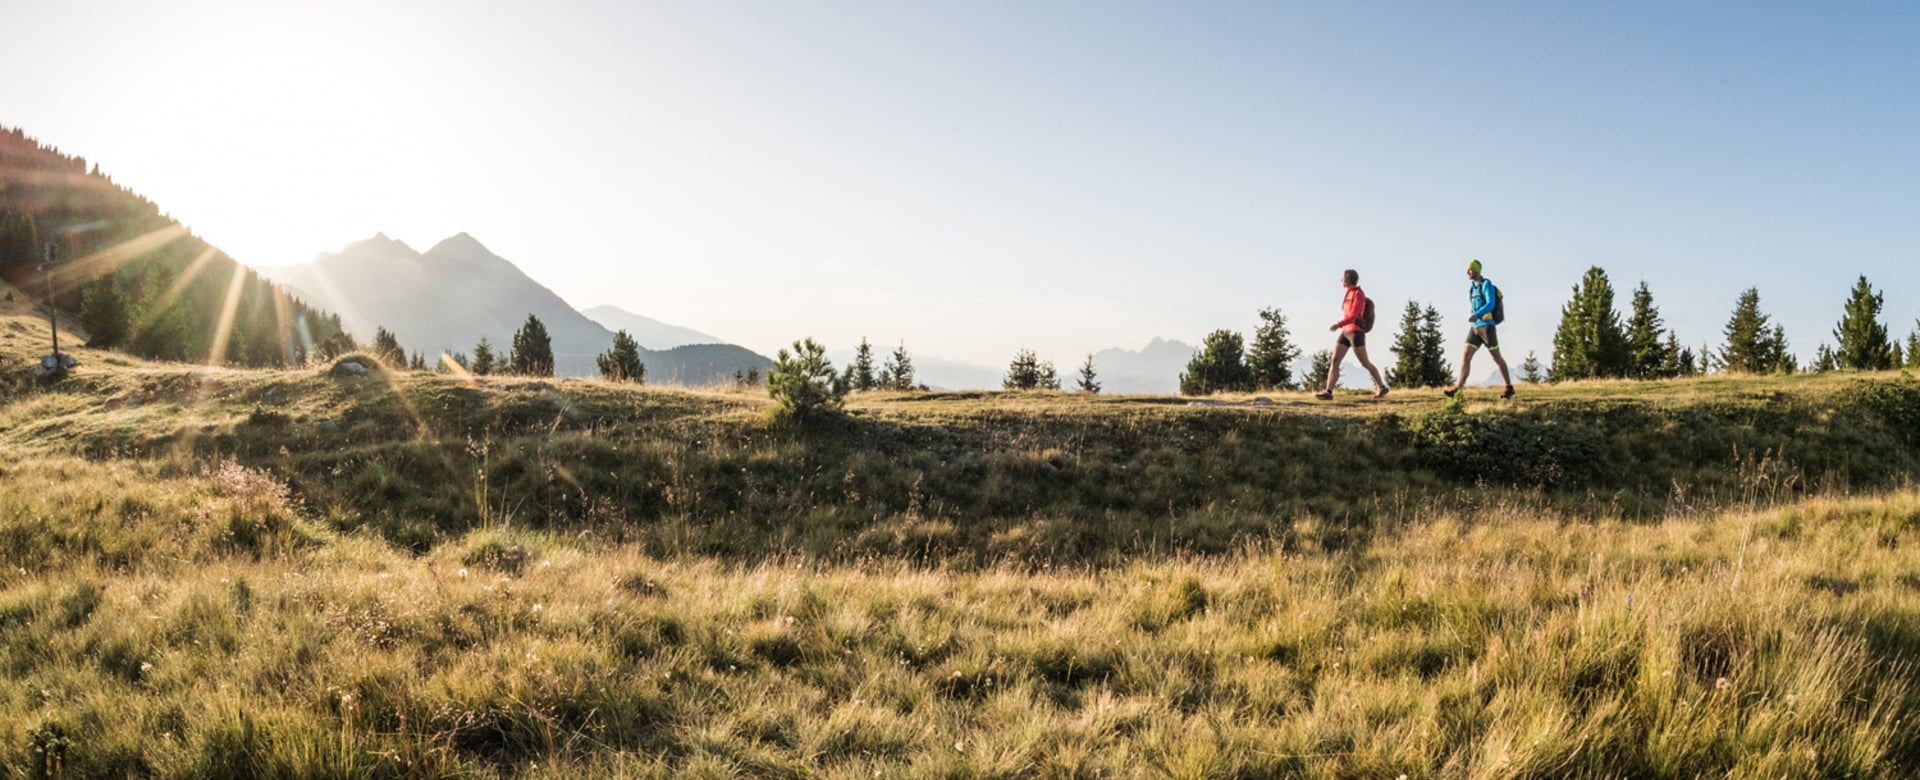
(1474,266)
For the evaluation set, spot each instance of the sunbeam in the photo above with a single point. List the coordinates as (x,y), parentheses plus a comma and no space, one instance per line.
(160,304)
(283,320)
(224,329)
(459,371)
(74,273)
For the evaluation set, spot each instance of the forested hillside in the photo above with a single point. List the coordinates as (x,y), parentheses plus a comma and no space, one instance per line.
(137,280)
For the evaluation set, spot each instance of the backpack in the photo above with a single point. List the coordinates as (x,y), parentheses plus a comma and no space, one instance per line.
(1499,302)
(1366,317)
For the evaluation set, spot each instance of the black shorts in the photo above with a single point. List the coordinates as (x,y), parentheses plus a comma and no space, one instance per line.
(1483,335)
(1354,339)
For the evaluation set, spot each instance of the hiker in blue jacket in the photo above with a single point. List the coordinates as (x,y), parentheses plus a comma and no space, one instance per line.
(1485,299)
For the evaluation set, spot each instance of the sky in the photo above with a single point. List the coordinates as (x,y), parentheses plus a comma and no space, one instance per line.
(973,178)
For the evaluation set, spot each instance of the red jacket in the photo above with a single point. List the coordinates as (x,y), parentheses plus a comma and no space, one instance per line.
(1353,309)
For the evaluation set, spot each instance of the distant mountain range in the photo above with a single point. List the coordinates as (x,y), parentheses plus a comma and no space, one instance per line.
(1153,370)
(458,292)
(651,333)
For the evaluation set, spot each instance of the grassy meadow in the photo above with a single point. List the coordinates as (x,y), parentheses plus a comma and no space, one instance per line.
(208,572)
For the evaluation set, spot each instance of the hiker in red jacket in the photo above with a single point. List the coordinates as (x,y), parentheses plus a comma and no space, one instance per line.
(1353,334)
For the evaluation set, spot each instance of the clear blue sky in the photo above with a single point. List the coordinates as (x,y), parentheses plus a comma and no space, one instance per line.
(975,177)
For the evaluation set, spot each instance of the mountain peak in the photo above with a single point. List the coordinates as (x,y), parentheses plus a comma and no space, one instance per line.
(378,244)
(462,241)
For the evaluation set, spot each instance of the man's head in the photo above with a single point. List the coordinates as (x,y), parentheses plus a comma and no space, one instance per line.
(1350,278)
(1473,269)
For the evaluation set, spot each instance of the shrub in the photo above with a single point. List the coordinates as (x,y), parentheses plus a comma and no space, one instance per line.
(804,384)
(1505,448)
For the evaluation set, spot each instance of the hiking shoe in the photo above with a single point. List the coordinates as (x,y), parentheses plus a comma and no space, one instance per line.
(1449,392)
(1380,393)
(1323,395)
(1508,393)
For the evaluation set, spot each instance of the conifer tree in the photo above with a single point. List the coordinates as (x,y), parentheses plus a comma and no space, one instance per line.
(1672,362)
(1751,345)
(386,347)
(860,372)
(19,241)
(1913,346)
(1648,353)
(1439,374)
(1317,373)
(532,353)
(899,369)
(1863,344)
(1824,360)
(1419,350)
(103,312)
(1218,367)
(482,358)
(1049,379)
(1409,350)
(1530,369)
(1590,342)
(804,383)
(159,328)
(1023,373)
(622,363)
(1089,382)
(1783,360)
(1272,354)
(418,363)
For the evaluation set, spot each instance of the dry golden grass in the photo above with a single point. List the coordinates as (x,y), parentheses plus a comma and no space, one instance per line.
(225,573)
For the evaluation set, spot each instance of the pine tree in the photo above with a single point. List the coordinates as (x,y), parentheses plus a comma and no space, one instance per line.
(1530,369)
(1674,360)
(482,358)
(1272,354)
(804,383)
(1218,367)
(1751,346)
(1913,346)
(418,363)
(1049,378)
(1648,353)
(1088,381)
(860,372)
(1420,358)
(622,363)
(532,353)
(19,241)
(103,313)
(1024,372)
(1824,360)
(1410,351)
(1783,360)
(386,347)
(1590,342)
(1317,374)
(1863,344)
(1433,346)
(899,369)
(160,324)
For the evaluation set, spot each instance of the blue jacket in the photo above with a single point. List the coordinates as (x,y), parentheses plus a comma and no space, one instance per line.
(1483,296)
